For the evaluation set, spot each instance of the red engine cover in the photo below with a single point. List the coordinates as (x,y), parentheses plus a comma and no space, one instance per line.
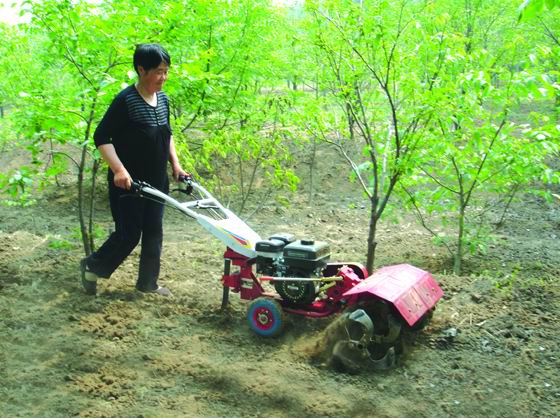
(411,290)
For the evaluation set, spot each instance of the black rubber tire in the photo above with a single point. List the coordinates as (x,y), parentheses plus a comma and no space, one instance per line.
(266,317)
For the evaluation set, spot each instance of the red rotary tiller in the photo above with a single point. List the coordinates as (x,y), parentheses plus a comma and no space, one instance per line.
(301,280)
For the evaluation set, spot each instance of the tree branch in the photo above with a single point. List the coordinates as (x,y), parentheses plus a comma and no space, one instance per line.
(439,182)
(481,165)
(53,153)
(420,217)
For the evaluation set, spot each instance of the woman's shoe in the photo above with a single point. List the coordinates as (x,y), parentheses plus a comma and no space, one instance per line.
(89,279)
(162,291)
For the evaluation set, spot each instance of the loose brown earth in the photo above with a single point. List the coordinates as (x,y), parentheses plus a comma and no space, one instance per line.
(491,350)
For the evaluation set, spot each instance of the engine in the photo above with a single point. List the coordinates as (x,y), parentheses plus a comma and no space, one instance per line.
(288,260)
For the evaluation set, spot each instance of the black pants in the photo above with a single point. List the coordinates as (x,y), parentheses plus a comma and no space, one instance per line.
(135,218)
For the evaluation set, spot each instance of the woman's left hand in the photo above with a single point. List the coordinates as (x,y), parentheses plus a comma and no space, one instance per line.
(178,172)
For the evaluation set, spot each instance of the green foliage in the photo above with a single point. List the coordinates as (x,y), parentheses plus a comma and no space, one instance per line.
(16,185)
(383,66)
(229,111)
(532,8)
(66,65)
(56,242)
(453,104)
(478,150)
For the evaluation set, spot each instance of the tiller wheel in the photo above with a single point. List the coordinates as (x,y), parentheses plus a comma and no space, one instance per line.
(365,343)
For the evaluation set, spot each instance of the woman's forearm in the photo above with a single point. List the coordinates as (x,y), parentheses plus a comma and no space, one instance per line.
(110,156)
(121,179)
(173,159)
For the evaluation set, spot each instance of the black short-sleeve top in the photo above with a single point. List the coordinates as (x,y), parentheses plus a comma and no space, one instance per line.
(140,134)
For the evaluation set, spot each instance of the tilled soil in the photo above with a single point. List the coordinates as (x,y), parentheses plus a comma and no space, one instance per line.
(492,348)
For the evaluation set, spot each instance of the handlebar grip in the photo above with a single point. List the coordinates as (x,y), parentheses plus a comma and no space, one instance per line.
(186,178)
(136,186)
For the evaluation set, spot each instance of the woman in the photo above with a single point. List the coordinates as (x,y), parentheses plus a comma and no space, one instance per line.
(134,138)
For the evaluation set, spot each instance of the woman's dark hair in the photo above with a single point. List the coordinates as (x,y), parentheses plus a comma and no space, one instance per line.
(150,56)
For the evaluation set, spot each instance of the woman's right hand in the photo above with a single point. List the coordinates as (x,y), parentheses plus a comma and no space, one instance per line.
(122,179)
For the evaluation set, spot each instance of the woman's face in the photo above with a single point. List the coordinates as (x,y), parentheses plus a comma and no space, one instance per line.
(153,80)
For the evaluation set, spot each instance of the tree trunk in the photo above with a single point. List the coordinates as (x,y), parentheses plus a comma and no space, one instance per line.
(514,189)
(83,227)
(458,258)
(311,170)
(249,188)
(92,203)
(372,243)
